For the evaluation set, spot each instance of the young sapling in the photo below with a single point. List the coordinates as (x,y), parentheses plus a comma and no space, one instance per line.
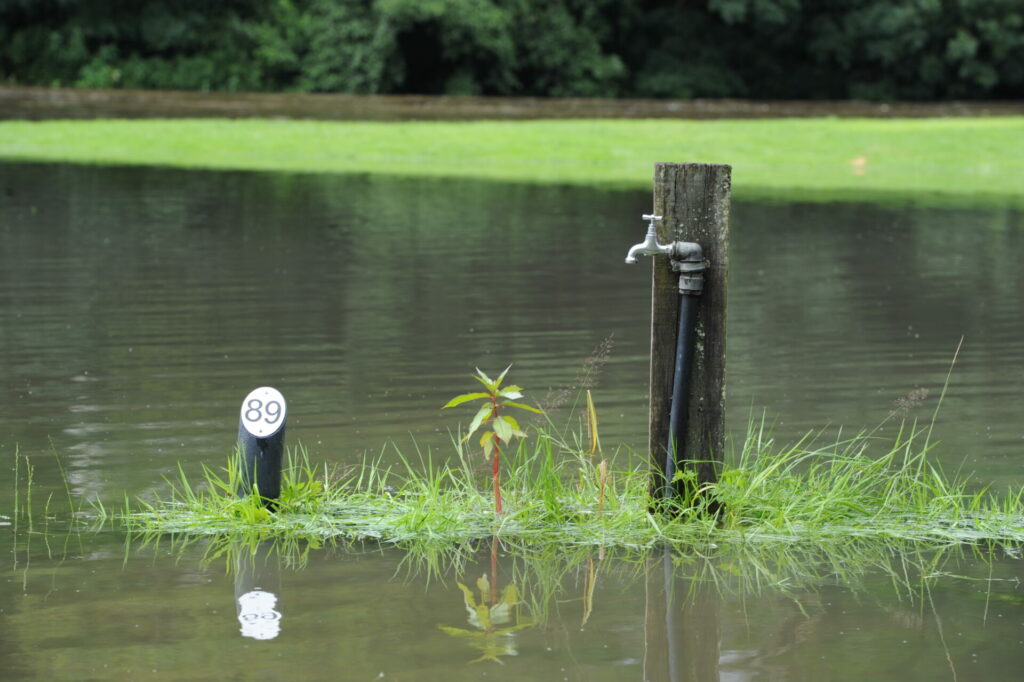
(500,429)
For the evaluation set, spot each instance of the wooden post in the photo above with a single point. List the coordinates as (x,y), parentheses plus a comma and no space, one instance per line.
(693,199)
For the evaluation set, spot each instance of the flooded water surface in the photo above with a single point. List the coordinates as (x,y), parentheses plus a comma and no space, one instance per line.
(139,306)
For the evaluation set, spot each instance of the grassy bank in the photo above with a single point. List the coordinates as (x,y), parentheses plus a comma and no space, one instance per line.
(959,161)
(557,496)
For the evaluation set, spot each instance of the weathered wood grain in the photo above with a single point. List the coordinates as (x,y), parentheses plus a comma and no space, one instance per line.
(693,199)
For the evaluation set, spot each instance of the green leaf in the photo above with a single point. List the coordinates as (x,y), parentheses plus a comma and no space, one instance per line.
(489,446)
(484,585)
(514,425)
(491,388)
(497,383)
(510,595)
(481,415)
(522,406)
(512,393)
(486,437)
(467,596)
(464,398)
(595,439)
(491,385)
(503,429)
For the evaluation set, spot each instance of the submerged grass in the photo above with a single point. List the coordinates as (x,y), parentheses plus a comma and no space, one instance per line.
(557,496)
(935,161)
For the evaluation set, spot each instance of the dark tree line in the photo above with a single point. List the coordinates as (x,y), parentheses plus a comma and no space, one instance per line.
(771,49)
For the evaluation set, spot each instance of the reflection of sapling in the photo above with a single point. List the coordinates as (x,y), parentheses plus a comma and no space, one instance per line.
(503,428)
(494,624)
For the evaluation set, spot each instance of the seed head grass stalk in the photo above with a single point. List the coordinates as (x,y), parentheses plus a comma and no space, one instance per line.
(556,494)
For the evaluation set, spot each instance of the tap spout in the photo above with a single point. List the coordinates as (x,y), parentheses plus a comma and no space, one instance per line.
(649,246)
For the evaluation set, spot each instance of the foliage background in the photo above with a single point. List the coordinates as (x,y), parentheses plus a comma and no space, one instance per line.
(865,49)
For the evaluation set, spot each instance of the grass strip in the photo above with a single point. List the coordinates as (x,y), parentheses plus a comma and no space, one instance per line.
(959,161)
(803,494)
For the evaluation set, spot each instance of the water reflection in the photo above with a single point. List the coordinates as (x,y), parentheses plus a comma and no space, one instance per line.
(518,602)
(367,610)
(257,586)
(495,617)
(682,635)
(258,614)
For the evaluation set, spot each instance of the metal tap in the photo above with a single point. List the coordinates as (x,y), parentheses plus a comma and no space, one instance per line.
(649,246)
(686,258)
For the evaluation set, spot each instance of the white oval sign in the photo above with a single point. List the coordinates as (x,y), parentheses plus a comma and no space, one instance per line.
(263,411)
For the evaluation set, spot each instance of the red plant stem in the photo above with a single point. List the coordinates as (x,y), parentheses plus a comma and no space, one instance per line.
(495,474)
(495,479)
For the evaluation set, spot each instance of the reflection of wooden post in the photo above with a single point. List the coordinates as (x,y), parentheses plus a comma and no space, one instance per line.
(681,632)
(693,200)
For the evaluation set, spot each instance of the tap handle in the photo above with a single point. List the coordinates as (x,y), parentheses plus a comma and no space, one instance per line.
(651,219)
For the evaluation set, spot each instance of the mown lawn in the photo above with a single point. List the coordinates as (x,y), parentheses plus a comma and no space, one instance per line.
(947,160)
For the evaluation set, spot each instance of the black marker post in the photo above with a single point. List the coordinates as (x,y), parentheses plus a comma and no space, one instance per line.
(261,443)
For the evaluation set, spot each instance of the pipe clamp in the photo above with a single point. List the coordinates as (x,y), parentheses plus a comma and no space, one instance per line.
(691,273)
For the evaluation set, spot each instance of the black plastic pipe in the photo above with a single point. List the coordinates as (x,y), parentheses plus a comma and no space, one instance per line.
(680,391)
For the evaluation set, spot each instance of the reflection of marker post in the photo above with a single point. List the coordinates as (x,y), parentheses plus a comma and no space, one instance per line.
(257,585)
(261,442)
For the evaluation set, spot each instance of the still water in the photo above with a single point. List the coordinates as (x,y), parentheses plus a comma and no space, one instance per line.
(139,306)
